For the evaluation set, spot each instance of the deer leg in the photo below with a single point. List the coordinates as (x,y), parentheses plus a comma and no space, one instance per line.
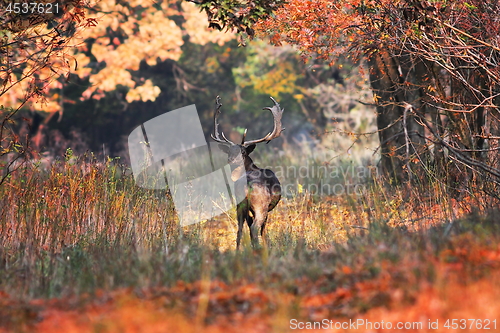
(242,214)
(254,234)
(262,229)
(258,223)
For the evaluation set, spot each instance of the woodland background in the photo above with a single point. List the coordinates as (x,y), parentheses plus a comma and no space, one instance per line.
(130,62)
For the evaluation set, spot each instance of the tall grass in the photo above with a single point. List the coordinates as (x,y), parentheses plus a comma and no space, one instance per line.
(84,225)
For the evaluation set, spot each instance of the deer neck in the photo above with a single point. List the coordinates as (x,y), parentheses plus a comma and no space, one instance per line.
(249,165)
(241,170)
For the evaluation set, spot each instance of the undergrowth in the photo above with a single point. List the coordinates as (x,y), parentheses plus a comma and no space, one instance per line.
(84,228)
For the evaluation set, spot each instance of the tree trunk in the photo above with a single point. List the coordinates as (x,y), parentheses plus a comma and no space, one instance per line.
(395,84)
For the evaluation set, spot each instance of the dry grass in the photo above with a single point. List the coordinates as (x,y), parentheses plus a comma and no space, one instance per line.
(83,249)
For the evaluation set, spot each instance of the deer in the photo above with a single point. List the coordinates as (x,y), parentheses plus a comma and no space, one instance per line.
(257,190)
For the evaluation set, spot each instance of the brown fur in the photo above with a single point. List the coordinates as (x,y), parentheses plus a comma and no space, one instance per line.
(258,191)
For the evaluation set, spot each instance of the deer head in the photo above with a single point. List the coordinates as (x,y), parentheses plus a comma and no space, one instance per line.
(242,150)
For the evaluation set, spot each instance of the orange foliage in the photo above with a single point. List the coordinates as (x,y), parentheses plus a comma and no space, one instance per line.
(147,34)
(123,34)
(35,50)
(150,310)
(326,29)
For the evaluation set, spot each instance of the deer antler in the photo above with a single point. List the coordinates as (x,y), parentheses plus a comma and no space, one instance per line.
(277,112)
(215,135)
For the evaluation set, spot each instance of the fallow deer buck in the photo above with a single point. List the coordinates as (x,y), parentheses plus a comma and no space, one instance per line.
(258,190)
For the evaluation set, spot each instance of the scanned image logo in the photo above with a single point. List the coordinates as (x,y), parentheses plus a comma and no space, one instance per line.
(171,150)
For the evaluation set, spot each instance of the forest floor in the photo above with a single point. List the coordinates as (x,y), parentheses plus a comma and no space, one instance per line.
(83,251)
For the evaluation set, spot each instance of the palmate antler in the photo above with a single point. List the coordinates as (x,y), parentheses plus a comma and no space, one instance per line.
(215,135)
(277,112)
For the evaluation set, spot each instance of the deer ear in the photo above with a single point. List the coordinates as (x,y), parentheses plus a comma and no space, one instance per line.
(224,148)
(250,148)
